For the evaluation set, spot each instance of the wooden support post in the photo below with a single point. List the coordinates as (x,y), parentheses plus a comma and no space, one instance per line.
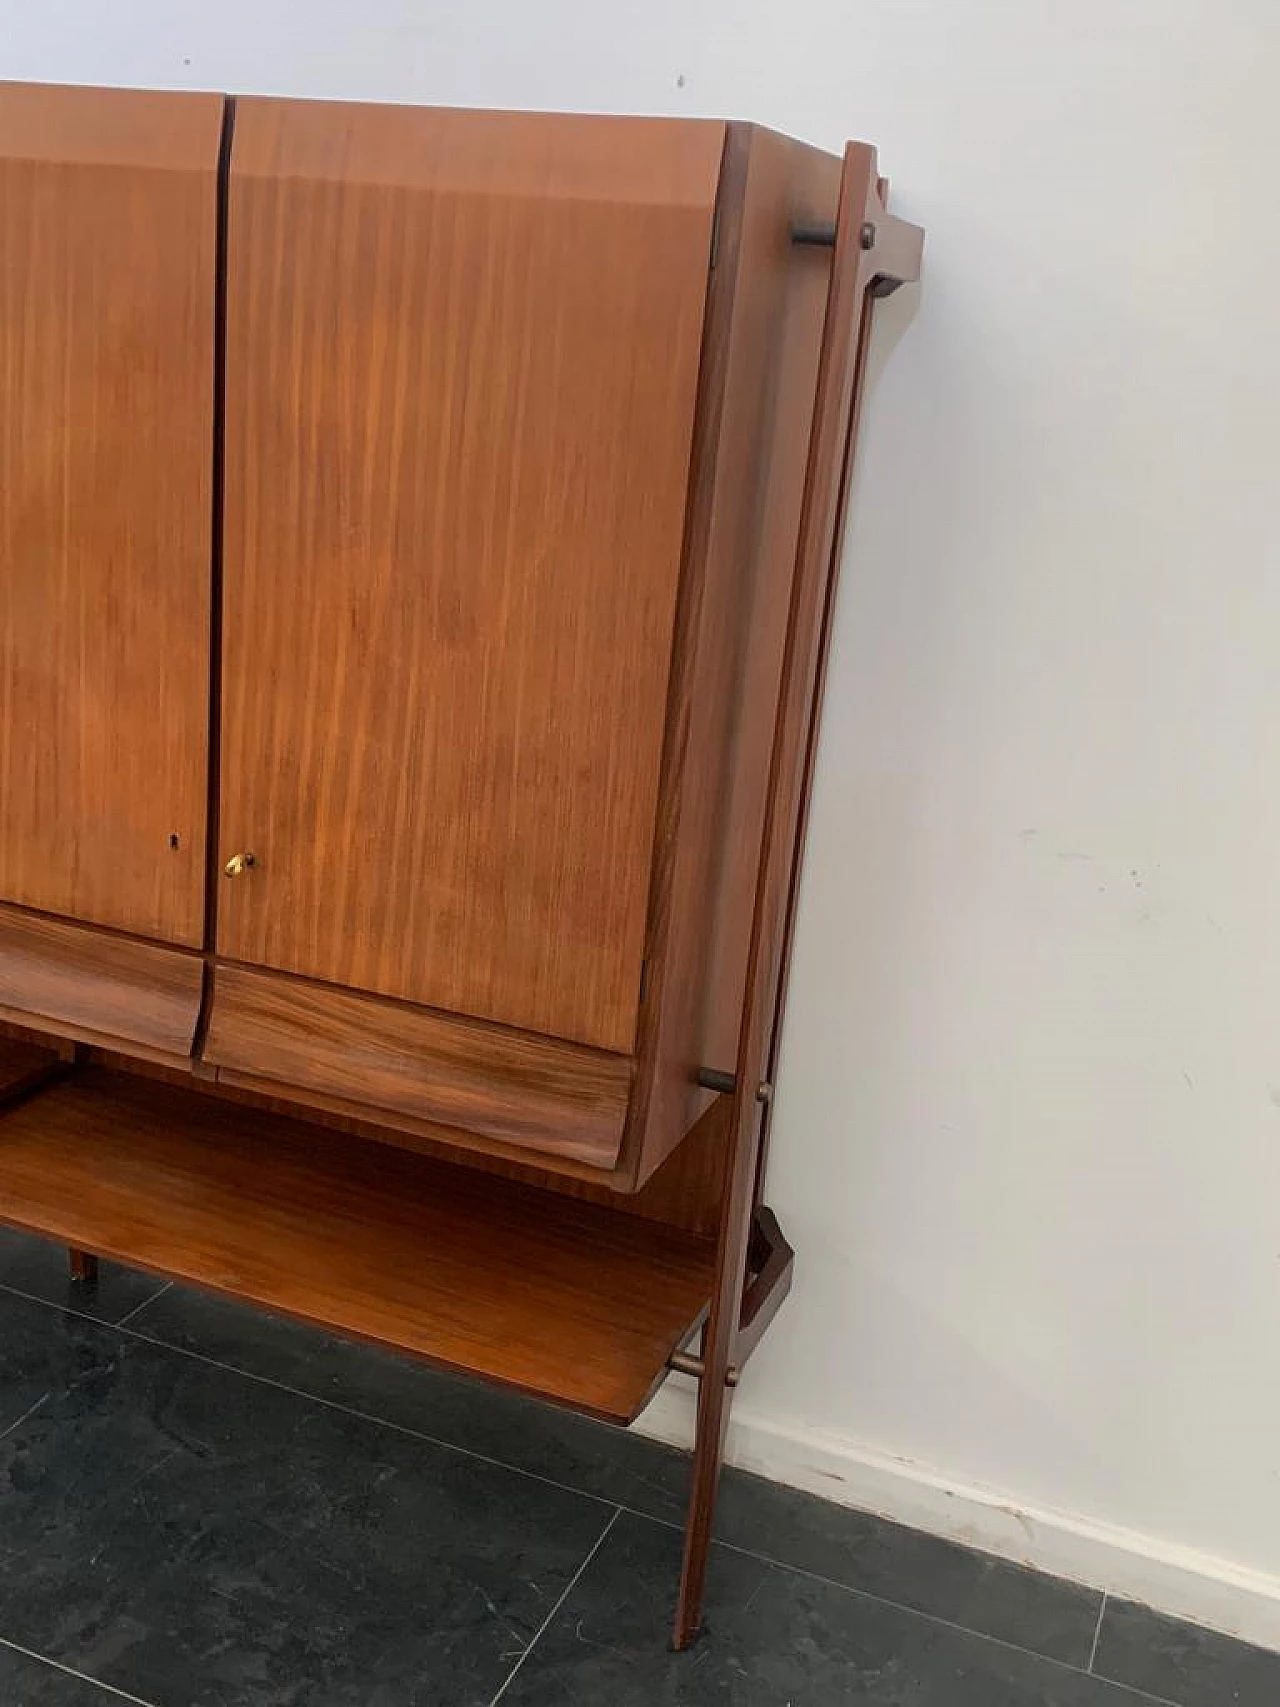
(855,268)
(84,1266)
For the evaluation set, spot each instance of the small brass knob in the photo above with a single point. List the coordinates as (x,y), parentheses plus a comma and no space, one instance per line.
(237,865)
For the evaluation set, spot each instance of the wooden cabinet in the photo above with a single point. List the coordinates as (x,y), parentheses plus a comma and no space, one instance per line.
(417,545)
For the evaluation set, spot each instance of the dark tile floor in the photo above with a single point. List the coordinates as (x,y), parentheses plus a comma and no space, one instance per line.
(204,1507)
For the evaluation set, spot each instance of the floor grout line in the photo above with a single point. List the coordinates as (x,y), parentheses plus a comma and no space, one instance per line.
(567,1487)
(894,1605)
(1097,1632)
(146,1302)
(29,1412)
(930,1617)
(70,1671)
(546,1622)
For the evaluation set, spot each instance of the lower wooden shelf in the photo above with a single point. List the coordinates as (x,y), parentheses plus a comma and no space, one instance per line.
(566,1300)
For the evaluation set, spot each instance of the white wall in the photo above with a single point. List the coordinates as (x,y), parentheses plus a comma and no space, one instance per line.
(1028,1137)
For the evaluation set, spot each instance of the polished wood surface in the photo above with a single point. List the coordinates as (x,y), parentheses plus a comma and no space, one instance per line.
(684,1193)
(487,1079)
(379,1126)
(107,237)
(97,985)
(462,359)
(559,1299)
(811,192)
(763,331)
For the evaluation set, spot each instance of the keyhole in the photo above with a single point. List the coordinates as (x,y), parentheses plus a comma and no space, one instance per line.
(175,841)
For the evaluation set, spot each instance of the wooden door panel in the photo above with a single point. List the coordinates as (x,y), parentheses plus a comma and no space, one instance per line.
(462,364)
(108,230)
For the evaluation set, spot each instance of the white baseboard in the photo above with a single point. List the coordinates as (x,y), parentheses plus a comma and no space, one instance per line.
(1129,1565)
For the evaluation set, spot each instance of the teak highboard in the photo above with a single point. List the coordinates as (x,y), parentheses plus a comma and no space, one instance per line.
(418,533)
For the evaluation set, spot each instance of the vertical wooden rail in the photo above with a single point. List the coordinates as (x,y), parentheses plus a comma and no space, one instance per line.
(870,250)
(82,1265)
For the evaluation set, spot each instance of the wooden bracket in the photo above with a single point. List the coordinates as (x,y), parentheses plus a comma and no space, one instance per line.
(896,250)
(894,246)
(771,1261)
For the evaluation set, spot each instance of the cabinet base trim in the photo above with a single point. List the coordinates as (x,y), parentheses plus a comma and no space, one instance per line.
(96,986)
(536,1093)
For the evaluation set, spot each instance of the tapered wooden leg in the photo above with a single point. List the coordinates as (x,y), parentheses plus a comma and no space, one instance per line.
(714,1397)
(84,1266)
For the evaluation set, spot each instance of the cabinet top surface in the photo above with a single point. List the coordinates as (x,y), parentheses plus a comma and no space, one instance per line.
(651,160)
(54,122)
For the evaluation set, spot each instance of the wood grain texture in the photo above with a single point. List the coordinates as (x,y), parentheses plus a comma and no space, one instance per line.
(62,1049)
(759,367)
(448,1144)
(15,1032)
(107,239)
(72,1035)
(98,985)
(559,1299)
(684,1193)
(486,1079)
(462,359)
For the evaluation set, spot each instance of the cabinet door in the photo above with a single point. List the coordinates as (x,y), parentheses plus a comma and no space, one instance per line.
(462,363)
(108,229)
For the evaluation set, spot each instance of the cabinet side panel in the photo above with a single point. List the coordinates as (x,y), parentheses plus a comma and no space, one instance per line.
(107,260)
(729,659)
(814,193)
